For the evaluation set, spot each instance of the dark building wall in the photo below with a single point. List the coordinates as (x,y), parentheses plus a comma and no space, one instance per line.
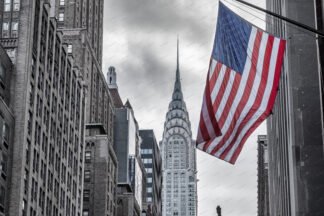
(121,145)
(296,160)
(150,150)
(263,185)
(100,182)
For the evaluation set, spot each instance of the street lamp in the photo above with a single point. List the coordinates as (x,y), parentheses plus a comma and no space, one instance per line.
(219,210)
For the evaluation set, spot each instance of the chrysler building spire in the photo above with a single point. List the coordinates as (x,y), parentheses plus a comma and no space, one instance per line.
(179,157)
(177,97)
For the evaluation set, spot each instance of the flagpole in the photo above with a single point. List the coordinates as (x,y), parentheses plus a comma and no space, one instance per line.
(301,25)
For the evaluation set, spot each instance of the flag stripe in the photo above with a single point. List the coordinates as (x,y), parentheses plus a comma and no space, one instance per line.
(207,120)
(215,68)
(257,101)
(218,83)
(227,81)
(271,100)
(203,128)
(263,111)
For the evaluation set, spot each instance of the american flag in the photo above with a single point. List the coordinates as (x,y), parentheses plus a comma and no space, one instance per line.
(241,85)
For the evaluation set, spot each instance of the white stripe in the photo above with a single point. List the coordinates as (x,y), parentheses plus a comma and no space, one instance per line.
(252,96)
(212,68)
(240,90)
(226,95)
(201,145)
(206,118)
(265,99)
(218,83)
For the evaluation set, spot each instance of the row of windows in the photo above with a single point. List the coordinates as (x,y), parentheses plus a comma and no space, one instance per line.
(146,151)
(7,5)
(6,31)
(147,160)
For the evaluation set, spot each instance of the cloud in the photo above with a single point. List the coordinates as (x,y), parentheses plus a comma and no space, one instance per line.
(162,16)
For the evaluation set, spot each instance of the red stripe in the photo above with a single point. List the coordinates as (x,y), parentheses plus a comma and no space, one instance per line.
(249,132)
(203,129)
(209,105)
(230,100)
(214,77)
(270,103)
(207,144)
(273,94)
(259,97)
(246,93)
(222,89)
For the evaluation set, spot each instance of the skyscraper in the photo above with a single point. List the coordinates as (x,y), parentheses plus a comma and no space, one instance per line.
(48,100)
(179,193)
(295,134)
(81,22)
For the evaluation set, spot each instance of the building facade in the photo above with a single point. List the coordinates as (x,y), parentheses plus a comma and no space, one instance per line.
(100,177)
(296,156)
(179,193)
(83,14)
(6,130)
(263,173)
(151,157)
(48,107)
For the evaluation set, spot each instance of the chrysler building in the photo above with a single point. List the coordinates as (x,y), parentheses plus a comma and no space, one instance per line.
(179,157)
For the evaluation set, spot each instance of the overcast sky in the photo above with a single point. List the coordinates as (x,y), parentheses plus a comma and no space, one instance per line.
(140,41)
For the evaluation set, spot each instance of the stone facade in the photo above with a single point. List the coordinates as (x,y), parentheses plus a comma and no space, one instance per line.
(179,158)
(100,177)
(83,14)
(48,106)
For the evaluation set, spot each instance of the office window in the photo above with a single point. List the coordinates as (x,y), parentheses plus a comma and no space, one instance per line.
(62,2)
(16,5)
(87,175)
(147,160)
(148,199)
(14,29)
(149,190)
(85,213)
(86,195)
(61,17)
(148,170)
(5,29)
(88,156)
(149,180)
(7,5)
(69,48)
